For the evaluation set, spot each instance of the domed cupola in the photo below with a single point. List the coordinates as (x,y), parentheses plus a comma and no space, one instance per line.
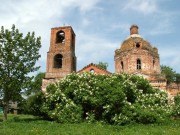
(136,55)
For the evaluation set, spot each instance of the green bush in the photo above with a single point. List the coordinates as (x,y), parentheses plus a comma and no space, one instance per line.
(34,105)
(115,99)
(177,106)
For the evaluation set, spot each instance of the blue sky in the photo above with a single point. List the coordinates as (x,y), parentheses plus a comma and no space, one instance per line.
(100,25)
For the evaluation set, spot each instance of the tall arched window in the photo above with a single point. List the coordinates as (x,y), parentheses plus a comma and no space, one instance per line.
(58,61)
(122,65)
(138,64)
(153,62)
(60,37)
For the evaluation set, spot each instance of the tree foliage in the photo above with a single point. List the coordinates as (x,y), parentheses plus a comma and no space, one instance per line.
(33,104)
(36,84)
(102,65)
(169,73)
(177,76)
(18,56)
(115,99)
(176,110)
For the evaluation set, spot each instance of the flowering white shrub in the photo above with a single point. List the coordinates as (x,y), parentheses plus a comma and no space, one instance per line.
(115,99)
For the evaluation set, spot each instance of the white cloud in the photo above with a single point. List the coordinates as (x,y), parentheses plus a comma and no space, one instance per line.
(143,6)
(85,22)
(162,28)
(170,56)
(39,12)
(40,16)
(123,27)
(163,22)
(90,48)
(86,5)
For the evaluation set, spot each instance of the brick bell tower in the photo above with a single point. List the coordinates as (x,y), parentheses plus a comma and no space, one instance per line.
(61,59)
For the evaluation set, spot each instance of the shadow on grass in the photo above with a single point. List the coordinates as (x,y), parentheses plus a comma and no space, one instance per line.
(25,119)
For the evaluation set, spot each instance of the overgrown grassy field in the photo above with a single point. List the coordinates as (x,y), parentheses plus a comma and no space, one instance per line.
(30,125)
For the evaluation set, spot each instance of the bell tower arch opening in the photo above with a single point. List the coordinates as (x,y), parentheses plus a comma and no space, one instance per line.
(58,61)
(60,37)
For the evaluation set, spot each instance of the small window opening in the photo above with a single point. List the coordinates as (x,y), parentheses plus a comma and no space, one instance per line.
(138,64)
(58,61)
(137,45)
(122,65)
(60,37)
(92,70)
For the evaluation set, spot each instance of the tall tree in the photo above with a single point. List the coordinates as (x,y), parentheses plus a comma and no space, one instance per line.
(18,56)
(169,73)
(36,84)
(102,65)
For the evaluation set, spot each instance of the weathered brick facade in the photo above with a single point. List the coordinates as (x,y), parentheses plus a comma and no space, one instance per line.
(135,48)
(137,56)
(61,59)
(173,88)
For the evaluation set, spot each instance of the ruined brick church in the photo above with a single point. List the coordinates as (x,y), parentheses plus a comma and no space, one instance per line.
(135,56)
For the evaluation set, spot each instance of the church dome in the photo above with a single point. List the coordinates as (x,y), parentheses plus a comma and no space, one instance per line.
(136,41)
(136,55)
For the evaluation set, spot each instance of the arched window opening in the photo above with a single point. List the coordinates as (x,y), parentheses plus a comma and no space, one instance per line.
(138,64)
(122,65)
(60,37)
(92,70)
(58,61)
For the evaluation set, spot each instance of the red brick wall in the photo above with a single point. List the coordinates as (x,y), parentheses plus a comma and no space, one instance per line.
(173,89)
(129,59)
(66,49)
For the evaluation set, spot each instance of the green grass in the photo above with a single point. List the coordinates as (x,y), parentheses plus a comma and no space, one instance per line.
(30,125)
